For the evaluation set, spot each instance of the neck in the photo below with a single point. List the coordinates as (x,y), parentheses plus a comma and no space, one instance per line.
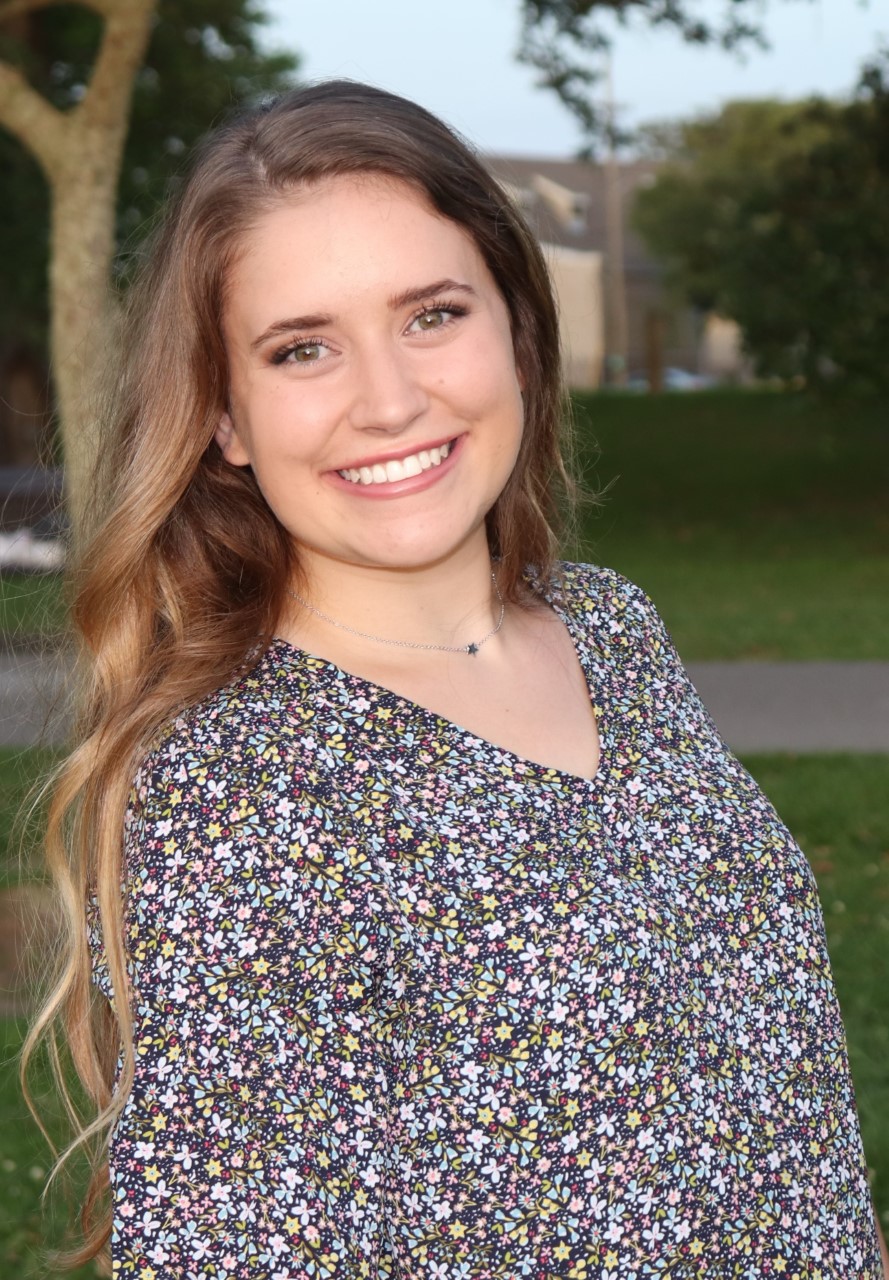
(452,603)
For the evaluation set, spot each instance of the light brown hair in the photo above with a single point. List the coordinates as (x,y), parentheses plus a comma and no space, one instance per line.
(183,578)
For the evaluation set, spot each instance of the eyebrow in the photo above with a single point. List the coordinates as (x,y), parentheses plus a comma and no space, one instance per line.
(428,291)
(318,320)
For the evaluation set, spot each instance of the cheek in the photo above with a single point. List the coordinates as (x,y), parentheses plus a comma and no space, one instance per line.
(490,382)
(282,429)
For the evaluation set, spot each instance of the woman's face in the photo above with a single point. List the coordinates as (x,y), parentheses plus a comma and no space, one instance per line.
(373,383)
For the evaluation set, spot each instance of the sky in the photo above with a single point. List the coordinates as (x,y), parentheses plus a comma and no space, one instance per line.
(456,58)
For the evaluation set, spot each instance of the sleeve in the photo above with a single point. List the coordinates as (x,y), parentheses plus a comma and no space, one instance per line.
(680,714)
(252,1142)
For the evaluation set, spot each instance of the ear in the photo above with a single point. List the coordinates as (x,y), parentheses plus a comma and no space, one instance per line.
(229,442)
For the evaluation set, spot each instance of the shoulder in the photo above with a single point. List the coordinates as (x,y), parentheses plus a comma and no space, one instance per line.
(228,759)
(606,600)
(235,724)
(234,806)
(264,714)
(621,622)
(617,617)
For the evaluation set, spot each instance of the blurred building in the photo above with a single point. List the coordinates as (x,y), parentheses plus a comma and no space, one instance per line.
(566,202)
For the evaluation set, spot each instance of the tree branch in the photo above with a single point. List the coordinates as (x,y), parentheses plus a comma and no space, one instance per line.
(127,29)
(27,115)
(562,40)
(15,8)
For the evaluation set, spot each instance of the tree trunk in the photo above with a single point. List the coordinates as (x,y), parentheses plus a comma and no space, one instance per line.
(82,308)
(81,152)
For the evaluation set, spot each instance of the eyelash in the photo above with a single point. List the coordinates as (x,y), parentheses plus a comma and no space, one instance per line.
(280,356)
(452,309)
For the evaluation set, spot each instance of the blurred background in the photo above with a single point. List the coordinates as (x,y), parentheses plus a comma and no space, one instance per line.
(709,180)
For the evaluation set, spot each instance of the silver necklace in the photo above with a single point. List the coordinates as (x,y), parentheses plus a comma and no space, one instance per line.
(472,649)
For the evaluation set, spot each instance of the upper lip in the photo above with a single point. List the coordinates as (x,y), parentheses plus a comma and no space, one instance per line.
(396,455)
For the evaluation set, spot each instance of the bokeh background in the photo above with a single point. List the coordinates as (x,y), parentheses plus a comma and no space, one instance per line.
(710,190)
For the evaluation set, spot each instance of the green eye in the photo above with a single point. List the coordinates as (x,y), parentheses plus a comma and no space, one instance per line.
(430,320)
(307,354)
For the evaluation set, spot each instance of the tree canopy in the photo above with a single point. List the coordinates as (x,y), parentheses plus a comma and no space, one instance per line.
(773,214)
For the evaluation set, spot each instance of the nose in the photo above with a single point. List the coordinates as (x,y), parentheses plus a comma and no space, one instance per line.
(389,395)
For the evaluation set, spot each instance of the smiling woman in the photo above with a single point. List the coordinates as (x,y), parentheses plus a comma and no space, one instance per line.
(452,940)
(336,410)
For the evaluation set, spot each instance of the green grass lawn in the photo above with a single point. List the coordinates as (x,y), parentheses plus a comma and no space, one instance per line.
(835,806)
(21,771)
(26,1234)
(758,522)
(31,606)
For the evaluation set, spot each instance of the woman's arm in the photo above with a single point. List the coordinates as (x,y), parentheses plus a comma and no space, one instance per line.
(678,707)
(684,714)
(884,1252)
(252,1141)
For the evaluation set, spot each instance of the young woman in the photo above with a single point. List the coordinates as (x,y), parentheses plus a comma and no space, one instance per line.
(452,940)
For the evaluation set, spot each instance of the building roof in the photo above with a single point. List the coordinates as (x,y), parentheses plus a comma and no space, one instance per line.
(564,201)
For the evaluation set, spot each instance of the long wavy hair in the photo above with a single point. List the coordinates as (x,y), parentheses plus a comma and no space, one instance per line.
(182,578)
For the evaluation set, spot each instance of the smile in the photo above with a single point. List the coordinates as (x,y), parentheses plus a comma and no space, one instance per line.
(398,468)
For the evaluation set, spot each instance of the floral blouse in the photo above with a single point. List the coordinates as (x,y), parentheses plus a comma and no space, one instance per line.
(408,1005)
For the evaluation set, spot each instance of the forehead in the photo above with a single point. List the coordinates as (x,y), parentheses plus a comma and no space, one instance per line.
(353,233)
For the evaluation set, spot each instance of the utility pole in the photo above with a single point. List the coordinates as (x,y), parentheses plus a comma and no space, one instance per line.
(615,283)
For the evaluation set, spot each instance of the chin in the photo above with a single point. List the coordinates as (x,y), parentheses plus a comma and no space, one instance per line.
(415,558)
(413,555)
(412,547)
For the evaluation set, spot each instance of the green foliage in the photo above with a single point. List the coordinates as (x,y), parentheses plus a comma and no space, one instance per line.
(204,58)
(24,222)
(773,214)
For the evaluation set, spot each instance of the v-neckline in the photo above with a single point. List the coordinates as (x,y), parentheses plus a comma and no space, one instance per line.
(595,678)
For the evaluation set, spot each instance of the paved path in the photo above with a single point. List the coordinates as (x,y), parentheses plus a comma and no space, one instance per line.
(32,691)
(797,706)
(758,706)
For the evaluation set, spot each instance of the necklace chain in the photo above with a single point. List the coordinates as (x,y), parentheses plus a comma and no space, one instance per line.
(472,649)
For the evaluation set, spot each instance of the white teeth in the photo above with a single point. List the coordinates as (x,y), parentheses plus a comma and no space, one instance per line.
(397,468)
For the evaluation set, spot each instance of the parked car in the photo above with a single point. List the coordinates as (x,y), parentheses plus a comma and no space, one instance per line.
(676,380)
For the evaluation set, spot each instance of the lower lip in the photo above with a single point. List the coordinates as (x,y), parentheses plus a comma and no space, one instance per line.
(400,488)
